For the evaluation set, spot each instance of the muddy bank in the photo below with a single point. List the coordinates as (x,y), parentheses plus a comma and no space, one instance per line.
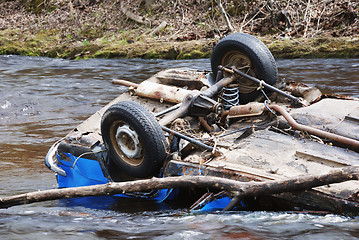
(176,29)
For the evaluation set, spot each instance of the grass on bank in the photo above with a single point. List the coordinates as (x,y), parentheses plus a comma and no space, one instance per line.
(52,44)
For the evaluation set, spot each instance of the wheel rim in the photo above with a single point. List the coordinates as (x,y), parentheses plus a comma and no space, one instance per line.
(241,62)
(126,142)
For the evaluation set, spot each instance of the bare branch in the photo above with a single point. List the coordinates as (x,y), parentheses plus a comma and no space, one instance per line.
(242,189)
(132,16)
(225,16)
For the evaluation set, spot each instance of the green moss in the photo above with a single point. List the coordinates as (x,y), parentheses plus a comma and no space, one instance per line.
(108,54)
(152,54)
(157,52)
(194,54)
(314,48)
(52,43)
(85,43)
(90,32)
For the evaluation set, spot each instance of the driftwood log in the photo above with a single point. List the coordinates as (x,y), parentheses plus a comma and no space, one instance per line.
(242,189)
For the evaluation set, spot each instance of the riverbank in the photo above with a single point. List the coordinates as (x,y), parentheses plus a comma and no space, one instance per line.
(185,30)
(50,44)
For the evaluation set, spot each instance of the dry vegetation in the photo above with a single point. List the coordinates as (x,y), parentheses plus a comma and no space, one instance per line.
(139,28)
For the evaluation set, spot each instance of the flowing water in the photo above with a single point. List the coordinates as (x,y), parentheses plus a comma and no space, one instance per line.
(42,99)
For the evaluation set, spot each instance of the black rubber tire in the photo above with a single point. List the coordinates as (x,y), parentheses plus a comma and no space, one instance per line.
(263,65)
(136,119)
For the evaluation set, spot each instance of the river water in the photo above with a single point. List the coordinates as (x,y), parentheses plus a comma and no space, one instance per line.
(42,99)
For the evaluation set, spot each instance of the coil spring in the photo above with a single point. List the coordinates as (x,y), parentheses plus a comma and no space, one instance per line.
(230,97)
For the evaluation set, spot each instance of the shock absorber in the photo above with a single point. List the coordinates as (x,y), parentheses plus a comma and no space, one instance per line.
(230,97)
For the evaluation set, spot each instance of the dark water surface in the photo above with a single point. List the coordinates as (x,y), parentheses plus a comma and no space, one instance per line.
(42,99)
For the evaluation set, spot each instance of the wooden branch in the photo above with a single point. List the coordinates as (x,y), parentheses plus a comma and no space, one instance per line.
(225,16)
(158,28)
(307,19)
(153,32)
(242,189)
(320,16)
(270,6)
(74,14)
(132,16)
(253,16)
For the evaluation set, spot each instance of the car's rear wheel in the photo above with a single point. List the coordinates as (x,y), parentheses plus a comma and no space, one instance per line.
(248,54)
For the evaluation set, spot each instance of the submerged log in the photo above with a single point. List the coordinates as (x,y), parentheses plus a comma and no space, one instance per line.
(242,189)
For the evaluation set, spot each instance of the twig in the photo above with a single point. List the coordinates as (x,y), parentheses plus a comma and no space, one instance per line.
(215,26)
(270,6)
(225,16)
(242,25)
(320,16)
(286,7)
(74,14)
(159,28)
(259,10)
(307,19)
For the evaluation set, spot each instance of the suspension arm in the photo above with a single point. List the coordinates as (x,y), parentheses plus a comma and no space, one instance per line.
(262,83)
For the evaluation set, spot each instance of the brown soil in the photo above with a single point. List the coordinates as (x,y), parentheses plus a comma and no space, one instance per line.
(126,28)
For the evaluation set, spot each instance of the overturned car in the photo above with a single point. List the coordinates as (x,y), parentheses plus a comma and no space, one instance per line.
(237,121)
